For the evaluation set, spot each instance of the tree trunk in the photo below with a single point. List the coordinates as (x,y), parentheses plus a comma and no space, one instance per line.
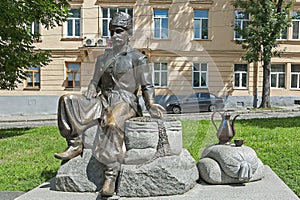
(265,101)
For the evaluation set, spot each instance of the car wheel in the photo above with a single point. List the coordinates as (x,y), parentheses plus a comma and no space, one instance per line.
(176,110)
(212,108)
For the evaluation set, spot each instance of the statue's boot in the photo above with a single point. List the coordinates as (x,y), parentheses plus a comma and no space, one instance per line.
(109,185)
(74,149)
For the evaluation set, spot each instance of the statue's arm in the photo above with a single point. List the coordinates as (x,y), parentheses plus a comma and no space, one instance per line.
(145,79)
(98,71)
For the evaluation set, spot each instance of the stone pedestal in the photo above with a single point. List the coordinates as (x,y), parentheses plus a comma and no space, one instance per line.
(80,174)
(141,174)
(227,164)
(169,175)
(83,173)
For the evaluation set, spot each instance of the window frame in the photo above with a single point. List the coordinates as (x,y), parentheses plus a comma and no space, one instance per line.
(161,28)
(296,19)
(109,16)
(298,77)
(73,21)
(201,19)
(241,25)
(200,72)
(277,75)
(35,28)
(73,75)
(240,74)
(160,72)
(34,71)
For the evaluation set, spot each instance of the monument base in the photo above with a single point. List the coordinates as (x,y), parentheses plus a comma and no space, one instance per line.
(270,187)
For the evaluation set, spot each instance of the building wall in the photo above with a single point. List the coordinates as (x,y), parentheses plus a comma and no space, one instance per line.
(180,50)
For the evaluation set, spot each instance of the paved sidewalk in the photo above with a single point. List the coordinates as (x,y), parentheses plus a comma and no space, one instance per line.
(271,187)
(22,121)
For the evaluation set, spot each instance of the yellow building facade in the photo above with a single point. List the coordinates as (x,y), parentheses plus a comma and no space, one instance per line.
(190,45)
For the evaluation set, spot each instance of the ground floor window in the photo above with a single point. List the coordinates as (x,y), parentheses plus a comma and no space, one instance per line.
(295,76)
(278,76)
(200,75)
(73,75)
(33,78)
(160,74)
(240,76)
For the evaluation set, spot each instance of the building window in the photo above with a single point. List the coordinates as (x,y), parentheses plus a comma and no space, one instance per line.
(278,76)
(200,75)
(201,24)
(295,77)
(35,28)
(107,14)
(33,78)
(295,24)
(283,34)
(73,75)
(160,74)
(161,24)
(241,21)
(73,23)
(240,75)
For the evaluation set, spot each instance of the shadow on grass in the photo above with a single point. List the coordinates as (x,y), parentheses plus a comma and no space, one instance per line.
(6,133)
(48,174)
(272,123)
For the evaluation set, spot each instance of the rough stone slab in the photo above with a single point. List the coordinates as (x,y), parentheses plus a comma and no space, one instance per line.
(80,174)
(167,175)
(269,188)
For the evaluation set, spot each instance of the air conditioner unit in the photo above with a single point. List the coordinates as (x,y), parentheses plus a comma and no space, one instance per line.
(89,42)
(102,42)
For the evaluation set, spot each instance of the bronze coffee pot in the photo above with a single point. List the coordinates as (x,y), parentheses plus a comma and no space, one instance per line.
(226,131)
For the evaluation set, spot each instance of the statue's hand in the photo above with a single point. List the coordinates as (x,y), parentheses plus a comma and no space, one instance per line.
(91,92)
(156,111)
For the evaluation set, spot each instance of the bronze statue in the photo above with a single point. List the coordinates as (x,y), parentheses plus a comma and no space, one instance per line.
(110,100)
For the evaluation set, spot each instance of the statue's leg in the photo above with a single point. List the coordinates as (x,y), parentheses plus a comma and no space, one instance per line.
(109,150)
(73,120)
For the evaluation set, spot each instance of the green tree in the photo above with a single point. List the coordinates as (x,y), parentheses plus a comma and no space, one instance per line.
(17,51)
(268,18)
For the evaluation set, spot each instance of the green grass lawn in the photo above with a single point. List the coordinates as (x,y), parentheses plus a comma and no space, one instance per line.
(26,155)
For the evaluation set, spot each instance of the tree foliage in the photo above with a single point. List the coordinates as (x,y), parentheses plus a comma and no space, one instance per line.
(268,18)
(17,51)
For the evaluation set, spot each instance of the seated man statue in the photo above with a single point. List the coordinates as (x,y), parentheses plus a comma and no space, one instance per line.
(110,100)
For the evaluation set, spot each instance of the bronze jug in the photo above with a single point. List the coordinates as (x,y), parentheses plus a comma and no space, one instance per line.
(226,130)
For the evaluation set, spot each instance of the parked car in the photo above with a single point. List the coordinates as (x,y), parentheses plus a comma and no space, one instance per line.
(200,101)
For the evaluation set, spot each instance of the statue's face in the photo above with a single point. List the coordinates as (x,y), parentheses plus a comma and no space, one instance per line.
(119,36)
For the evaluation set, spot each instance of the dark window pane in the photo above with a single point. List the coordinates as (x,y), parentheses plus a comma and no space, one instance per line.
(105,12)
(244,80)
(70,27)
(295,68)
(203,79)
(204,29)
(77,27)
(281,81)
(236,80)
(196,80)
(295,30)
(273,80)
(294,80)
